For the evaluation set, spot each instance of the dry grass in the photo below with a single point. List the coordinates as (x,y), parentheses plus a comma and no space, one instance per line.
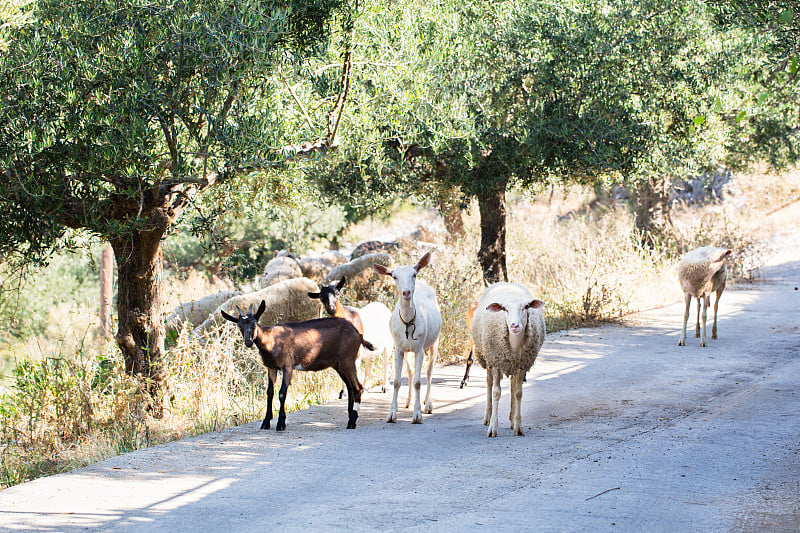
(69,403)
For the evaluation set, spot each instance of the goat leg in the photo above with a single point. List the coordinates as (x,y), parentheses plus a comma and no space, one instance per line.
(272,376)
(285,382)
(466,374)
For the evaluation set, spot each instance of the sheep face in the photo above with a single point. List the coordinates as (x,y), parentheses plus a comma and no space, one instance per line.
(247,323)
(405,277)
(516,314)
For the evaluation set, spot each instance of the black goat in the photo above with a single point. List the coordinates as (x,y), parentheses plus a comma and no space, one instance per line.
(311,345)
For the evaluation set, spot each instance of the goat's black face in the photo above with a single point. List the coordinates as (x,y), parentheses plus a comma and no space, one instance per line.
(247,323)
(328,295)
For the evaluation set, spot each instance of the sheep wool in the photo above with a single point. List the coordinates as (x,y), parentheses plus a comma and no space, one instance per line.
(286,301)
(280,268)
(490,331)
(196,311)
(702,271)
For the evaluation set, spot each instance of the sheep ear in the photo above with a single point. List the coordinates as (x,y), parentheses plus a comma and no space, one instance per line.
(495,307)
(314,295)
(226,316)
(380,269)
(261,309)
(534,304)
(423,262)
(340,284)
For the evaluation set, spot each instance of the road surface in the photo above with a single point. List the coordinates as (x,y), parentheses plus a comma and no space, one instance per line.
(625,431)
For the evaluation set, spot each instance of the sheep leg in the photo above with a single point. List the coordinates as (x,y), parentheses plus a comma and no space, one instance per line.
(697,326)
(469,365)
(706,301)
(398,377)
(272,376)
(285,382)
(513,399)
(434,352)
(686,313)
(419,357)
(489,382)
(497,376)
(716,306)
(516,403)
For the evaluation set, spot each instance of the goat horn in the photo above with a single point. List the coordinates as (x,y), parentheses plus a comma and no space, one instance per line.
(250,311)
(240,311)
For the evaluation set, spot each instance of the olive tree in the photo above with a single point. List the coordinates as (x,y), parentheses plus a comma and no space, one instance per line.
(116,115)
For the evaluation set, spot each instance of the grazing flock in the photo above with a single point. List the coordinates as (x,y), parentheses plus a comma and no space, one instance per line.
(506,327)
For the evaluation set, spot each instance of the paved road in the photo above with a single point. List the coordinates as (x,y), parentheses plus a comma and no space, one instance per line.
(625,431)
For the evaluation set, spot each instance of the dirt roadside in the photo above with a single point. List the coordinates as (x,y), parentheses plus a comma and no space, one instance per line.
(625,431)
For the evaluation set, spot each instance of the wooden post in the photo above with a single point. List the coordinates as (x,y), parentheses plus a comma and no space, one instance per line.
(106,286)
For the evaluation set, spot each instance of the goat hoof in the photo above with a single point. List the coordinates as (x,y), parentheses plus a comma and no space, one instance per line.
(351,425)
(341,394)
(392,418)
(383,390)
(713,336)
(681,343)
(417,419)
(519,433)
(491,433)
(428,409)
(265,425)
(280,426)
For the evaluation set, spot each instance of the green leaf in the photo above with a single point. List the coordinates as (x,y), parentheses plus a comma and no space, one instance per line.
(786,16)
(762,97)
(740,116)
(793,64)
(699,120)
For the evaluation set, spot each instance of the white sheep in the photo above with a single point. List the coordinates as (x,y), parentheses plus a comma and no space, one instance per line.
(283,266)
(318,267)
(287,301)
(701,272)
(415,324)
(507,331)
(196,311)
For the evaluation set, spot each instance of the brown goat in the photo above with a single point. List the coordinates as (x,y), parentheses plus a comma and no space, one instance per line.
(311,346)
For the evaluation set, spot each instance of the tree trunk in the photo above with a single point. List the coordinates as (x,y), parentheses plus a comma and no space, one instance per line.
(492,254)
(447,200)
(652,209)
(140,334)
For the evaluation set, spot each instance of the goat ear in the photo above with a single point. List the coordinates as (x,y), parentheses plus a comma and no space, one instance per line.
(495,307)
(380,269)
(423,262)
(314,295)
(340,284)
(261,309)
(534,304)
(226,316)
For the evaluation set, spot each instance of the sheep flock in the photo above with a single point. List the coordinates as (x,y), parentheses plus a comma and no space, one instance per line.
(505,323)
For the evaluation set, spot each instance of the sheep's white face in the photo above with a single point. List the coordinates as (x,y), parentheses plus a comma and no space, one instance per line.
(516,314)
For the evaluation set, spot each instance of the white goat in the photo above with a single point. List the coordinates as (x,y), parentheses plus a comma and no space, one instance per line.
(507,331)
(415,324)
(701,272)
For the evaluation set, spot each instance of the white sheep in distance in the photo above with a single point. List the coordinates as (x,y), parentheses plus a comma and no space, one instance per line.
(701,272)
(284,265)
(507,331)
(286,301)
(196,311)
(415,324)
